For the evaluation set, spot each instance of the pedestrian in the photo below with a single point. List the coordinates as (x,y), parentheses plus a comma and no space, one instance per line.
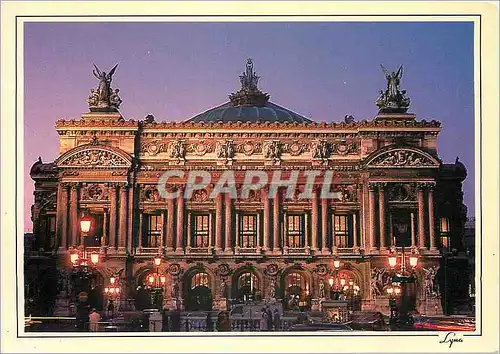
(276,320)
(94,319)
(269,318)
(223,322)
(263,321)
(210,324)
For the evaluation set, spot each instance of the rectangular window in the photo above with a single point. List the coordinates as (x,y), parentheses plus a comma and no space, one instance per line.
(201,230)
(401,228)
(153,231)
(51,233)
(248,230)
(444,229)
(343,230)
(93,238)
(295,230)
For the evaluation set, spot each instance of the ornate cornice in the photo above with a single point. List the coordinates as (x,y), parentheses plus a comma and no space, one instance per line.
(309,126)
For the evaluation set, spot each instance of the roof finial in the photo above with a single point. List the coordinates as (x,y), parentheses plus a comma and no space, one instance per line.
(249,94)
(249,79)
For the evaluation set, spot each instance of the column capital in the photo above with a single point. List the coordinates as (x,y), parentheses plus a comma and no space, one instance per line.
(425,185)
(74,185)
(380,185)
(65,185)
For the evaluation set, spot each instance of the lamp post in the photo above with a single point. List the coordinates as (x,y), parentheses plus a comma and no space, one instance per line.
(333,281)
(156,282)
(112,291)
(80,259)
(402,269)
(393,291)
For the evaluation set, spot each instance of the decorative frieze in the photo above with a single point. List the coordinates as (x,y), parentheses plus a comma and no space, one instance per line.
(94,192)
(404,157)
(272,151)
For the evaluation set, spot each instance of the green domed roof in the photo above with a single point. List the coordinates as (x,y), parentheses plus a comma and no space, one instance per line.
(269,113)
(249,104)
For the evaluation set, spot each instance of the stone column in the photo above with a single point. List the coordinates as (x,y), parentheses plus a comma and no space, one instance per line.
(130,226)
(306,230)
(64,215)
(122,228)
(218,222)
(237,237)
(141,227)
(432,236)
(189,235)
(112,216)
(163,227)
(170,225)
(267,218)
(412,228)
(276,223)
(421,221)
(104,229)
(381,210)
(73,214)
(229,224)
(354,230)
(373,231)
(315,220)
(59,217)
(324,225)
(180,223)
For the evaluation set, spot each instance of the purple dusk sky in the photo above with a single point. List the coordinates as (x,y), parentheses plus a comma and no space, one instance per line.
(320,70)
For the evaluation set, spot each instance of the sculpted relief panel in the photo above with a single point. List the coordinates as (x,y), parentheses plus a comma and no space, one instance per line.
(93,157)
(403,158)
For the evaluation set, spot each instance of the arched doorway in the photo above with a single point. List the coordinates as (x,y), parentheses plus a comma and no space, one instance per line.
(346,288)
(246,286)
(296,288)
(199,295)
(151,285)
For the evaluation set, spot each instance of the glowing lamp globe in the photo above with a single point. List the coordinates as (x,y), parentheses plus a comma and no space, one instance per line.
(342,281)
(351,282)
(117,290)
(163,279)
(94,258)
(73,257)
(85,223)
(157,261)
(112,280)
(151,279)
(413,261)
(336,264)
(330,281)
(106,290)
(390,290)
(392,261)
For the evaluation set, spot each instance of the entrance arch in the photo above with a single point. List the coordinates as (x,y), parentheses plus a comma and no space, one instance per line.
(198,295)
(246,285)
(296,285)
(147,296)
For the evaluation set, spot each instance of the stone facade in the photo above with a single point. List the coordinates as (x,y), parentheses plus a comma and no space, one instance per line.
(382,170)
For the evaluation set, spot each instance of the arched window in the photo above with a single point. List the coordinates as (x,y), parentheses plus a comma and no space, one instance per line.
(248,279)
(295,279)
(199,279)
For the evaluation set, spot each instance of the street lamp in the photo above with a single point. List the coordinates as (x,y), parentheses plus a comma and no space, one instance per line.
(155,282)
(402,269)
(80,258)
(393,291)
(112,291)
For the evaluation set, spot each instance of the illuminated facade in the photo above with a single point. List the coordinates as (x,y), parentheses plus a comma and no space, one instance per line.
(391,192)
